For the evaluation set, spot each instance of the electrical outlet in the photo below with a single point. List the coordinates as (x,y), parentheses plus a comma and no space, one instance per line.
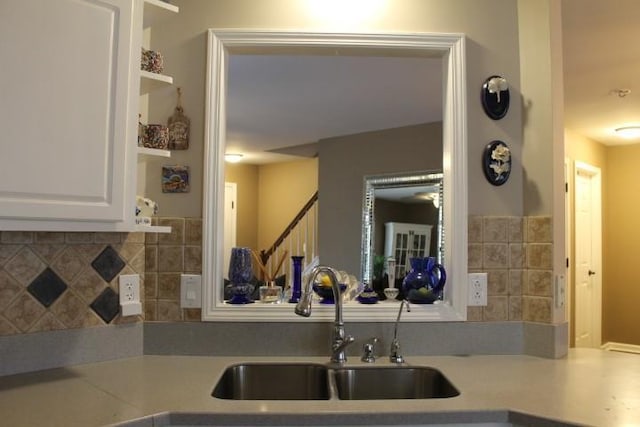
(130,294)
(477,289)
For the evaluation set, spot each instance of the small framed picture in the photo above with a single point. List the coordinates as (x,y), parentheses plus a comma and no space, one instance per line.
(175,179)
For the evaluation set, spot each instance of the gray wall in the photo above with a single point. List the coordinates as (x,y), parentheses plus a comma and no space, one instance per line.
(345,161)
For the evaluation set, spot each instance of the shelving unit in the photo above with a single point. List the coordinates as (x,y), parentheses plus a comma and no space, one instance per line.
(154,11)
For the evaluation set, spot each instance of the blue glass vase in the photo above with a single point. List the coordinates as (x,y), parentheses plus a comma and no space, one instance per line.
(424,283)
(296,287)
(240,274)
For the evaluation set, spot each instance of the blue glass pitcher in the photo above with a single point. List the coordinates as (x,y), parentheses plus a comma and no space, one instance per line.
(425,281)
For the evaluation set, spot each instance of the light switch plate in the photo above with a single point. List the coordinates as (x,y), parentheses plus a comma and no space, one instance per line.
(190,291)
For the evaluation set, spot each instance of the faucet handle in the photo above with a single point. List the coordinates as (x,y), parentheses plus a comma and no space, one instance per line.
(368,348)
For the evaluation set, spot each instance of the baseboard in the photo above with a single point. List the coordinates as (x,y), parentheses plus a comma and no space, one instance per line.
(618,346)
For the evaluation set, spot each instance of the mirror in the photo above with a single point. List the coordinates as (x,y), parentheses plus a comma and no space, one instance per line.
(448,47)
(394,202)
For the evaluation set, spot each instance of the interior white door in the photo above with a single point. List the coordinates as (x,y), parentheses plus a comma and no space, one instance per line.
(587,320)
(230,212)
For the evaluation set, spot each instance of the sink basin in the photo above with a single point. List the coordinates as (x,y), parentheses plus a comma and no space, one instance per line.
(273,381)
(404,382)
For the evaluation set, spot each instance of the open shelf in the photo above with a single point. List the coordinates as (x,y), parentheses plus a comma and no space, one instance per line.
(151,81)
(152,228)
(153,152)
(156,10)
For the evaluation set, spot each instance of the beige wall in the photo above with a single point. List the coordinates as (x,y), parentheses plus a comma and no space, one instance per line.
(284,189)
(345,161)
(491,27)
(621,247)
(247,178)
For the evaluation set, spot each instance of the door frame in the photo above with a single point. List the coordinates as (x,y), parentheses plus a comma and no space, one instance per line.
(596,209)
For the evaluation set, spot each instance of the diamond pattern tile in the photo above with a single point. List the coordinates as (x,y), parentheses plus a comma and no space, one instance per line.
(108,264)
(47,287)
(106,305)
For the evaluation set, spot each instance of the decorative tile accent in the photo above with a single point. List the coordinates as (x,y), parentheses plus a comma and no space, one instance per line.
(516,280)
(16,236)
(47,287)
(88,285)
(540,256)
(497,309)
(49,237)
(23,312)
(151,258)
(496,255)
(176,237)
(515,308)
(9,289)
(107,305)
(495,229)
(79,237)
(497,282)
(150,285)
(193,231)
(539,229)
(169,311)
(475,255)
(48,322)
(69,264)
(516,229)
(192,259)
(24,266)
(169,286)
(70,310)
(539,283)
(475,229)
(536,309)
(517,255)
(108,264)
(170,258)
(6,252)
(69,256)
(47,251)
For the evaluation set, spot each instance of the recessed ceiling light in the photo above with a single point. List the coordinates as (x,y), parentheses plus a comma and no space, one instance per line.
(232,157)
(629,132)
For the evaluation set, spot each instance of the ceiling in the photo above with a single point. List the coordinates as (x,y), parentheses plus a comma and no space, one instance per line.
(601,53)
(281,105)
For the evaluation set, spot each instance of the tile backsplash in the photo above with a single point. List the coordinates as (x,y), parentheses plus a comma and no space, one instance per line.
(51,280)
(167,256)
(516,253)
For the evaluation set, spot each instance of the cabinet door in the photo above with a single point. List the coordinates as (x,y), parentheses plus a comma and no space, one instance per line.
(66,97)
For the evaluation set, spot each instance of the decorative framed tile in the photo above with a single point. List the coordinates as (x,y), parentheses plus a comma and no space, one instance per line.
(175,179)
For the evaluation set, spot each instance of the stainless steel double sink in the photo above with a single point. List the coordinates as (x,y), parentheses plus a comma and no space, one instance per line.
(309,381)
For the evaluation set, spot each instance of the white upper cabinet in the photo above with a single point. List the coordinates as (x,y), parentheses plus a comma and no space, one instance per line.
(69,90)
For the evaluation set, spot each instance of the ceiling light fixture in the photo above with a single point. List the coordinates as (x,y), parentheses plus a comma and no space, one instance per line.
(232,157)
(629,132)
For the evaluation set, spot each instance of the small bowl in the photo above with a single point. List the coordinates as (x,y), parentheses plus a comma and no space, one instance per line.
(391,293)
(326,292)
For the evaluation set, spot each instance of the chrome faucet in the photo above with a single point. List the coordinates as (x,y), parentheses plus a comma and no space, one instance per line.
(394,355)
(338,340)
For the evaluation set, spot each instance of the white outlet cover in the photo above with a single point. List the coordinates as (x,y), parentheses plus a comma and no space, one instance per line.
(477,289)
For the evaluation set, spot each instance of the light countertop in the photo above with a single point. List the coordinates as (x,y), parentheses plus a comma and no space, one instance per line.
(588,387)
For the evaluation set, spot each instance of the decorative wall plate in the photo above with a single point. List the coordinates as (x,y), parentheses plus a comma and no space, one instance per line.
(496,162)
(495,97)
